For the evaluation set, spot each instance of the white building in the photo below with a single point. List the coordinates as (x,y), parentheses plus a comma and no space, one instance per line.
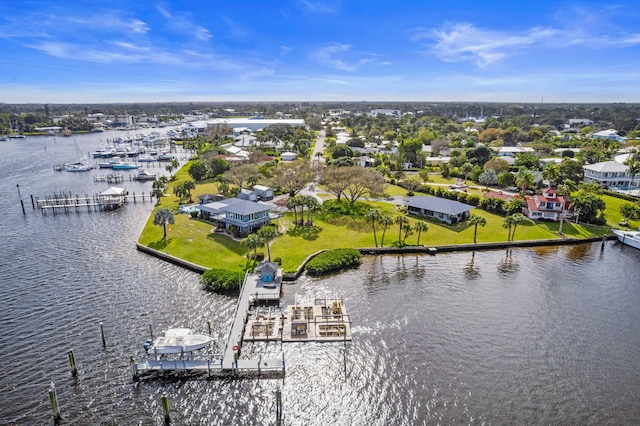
(382,111)
(610,174)
(253,124)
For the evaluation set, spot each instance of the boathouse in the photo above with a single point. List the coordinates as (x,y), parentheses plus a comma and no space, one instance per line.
(112,198)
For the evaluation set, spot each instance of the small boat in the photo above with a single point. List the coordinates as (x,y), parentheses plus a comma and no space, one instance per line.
(177,341)
(145,175)
(146,160)
(77,167)
(630,238)
(165,157)
(120,165)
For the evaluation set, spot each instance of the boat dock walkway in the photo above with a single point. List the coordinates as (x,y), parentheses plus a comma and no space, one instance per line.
(261,287)
(209,364)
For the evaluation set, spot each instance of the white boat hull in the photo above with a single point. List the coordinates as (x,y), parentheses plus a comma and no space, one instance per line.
(179,340)
(630,238)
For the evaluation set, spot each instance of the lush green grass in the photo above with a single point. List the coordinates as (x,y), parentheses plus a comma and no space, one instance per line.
(613,212)
(194,241)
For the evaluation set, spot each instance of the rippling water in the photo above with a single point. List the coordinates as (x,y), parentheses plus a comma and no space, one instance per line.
(549,335)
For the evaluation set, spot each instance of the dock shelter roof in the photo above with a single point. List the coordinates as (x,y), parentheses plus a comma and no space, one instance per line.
(113,191)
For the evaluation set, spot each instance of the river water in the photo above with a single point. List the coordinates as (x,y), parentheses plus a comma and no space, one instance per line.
(545,336)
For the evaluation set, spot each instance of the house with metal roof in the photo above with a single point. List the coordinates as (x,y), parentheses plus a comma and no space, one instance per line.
(238,215)
(608,173)
(609,134)
(448,211)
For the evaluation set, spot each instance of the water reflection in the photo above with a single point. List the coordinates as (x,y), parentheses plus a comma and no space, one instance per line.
(471,271)
(508,264)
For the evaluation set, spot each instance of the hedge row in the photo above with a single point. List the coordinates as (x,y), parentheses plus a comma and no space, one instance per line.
(221,280)
(332,260)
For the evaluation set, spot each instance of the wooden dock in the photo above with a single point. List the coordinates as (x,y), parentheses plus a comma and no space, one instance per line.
(66,203)
(256,289)
(262,287)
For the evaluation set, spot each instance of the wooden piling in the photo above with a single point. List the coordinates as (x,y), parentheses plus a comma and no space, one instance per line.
(165,408)
(55,408)
(22,204)
(151,331)
(278,407)
(134,368)
(209,327)
(72,364)
(33,204)
(104,342)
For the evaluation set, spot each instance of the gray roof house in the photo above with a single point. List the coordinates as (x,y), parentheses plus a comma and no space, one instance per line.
(444,210)
(242,215)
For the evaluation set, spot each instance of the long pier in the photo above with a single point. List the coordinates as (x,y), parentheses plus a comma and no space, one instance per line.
(65,202)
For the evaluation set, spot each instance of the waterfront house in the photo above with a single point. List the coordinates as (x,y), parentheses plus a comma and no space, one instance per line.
(237,214)
(609,134)
(448,211)
(549,206)
(608,174)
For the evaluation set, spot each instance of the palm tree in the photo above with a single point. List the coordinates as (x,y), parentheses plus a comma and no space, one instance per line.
(401,221)
(633,167)
(267,233)
(466,170)
(524,179)
(374,215)
(508,223)
(551,173)
(292,204)
(384,220)
(475,221)
(312,205)
(420,227)
(408,230)
(163,217)
(253,241)
(517,219)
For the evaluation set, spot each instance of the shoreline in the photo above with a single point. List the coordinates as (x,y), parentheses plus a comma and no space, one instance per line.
(375,251)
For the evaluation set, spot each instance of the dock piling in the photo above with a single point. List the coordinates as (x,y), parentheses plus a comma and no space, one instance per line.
(209,327)
(165,408)
(104,342)
(151,331)
(134,368)
(72,364)
(55,408)
(278,407)
(22,204)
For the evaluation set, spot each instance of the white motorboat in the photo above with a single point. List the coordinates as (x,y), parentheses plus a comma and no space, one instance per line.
(145,175)
(77,167)
(630,238)
(177,341)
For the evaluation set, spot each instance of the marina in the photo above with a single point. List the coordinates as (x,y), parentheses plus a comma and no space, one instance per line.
(518,336)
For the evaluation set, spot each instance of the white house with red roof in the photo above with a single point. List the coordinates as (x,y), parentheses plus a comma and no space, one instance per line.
(549,206)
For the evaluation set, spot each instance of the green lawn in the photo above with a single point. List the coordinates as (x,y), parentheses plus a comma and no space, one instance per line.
(195,241)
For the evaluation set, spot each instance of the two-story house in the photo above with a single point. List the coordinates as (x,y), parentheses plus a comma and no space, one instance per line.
(237,214)
(549,205)
(608,174)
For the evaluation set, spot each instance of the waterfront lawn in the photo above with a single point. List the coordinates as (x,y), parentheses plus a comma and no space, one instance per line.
(613,212)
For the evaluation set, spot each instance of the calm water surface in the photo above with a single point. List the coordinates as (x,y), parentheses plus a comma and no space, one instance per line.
(545,336)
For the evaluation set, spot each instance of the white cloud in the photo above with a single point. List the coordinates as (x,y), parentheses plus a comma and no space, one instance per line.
(329,56)
(317,6)
(183,23)
(465,42)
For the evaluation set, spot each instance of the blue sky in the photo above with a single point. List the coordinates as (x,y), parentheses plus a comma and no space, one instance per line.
(68,51)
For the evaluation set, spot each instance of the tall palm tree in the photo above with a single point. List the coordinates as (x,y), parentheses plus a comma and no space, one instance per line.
(420,227)
(466,170)
(292,204)
(374,215)
(508,223)
(163,217)
(401,221)
(312,205)
(267,233)
(476,220)
(385,220)
(253,242)
(551,173)
(517,219)
(408,230)
(633,168)
(524,179)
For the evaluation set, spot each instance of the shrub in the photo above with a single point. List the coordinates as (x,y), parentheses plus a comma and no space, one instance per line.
(333,260)
(221,280)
